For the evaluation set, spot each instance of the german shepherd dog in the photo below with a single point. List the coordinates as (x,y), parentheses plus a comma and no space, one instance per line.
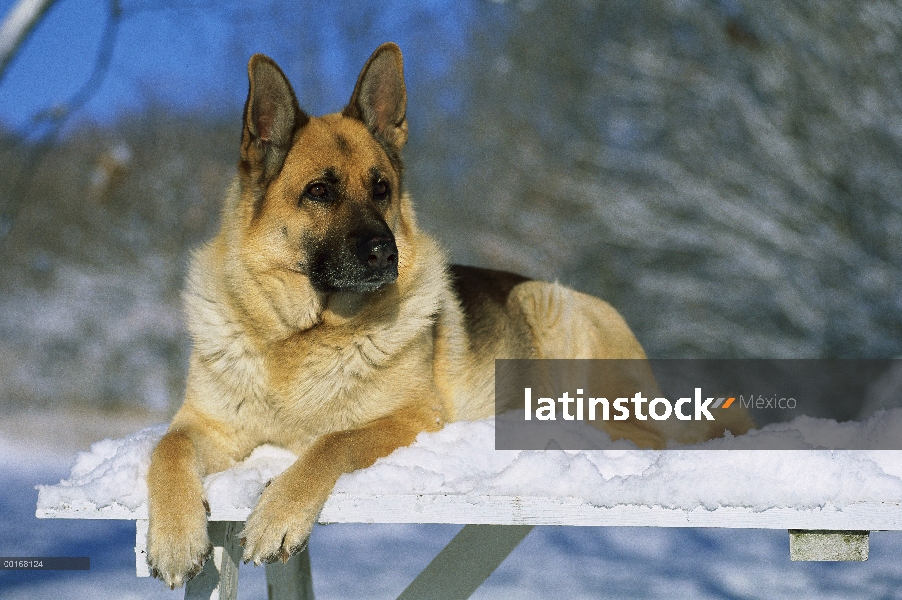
(325,321)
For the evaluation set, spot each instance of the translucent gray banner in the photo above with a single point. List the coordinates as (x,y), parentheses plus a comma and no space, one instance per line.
(753,404)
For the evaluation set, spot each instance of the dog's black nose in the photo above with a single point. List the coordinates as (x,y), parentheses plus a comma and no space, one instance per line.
(378,252)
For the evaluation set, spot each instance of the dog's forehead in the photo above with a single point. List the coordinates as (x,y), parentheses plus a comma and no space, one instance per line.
(339,143)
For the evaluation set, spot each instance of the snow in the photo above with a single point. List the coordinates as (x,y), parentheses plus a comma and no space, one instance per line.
(113,471)
(460,459)
(349,559)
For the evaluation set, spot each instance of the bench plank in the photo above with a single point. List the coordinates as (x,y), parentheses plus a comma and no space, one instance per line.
(530,510)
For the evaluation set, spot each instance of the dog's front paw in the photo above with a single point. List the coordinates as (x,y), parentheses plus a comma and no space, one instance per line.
(279,526)
(178,545)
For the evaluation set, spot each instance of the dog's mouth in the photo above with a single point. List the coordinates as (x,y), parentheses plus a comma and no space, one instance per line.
(329,284)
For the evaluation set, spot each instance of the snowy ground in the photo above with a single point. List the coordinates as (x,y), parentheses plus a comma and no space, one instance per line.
(378,561)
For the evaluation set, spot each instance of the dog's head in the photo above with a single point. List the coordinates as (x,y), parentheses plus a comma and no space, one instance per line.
(321,197)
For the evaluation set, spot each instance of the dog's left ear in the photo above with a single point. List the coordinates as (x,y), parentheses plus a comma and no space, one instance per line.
(380,98)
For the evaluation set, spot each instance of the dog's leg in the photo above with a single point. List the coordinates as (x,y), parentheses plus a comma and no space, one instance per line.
(284,516)
(177,541)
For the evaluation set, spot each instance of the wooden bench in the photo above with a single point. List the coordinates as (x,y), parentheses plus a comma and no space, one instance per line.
(495,525)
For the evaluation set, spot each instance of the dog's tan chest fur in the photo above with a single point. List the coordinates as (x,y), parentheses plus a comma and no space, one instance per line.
(353,366)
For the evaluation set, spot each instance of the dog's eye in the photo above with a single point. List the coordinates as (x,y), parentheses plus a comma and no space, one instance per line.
(318,191)
(380,190)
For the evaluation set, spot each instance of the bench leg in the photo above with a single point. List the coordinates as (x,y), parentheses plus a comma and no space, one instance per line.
(292,580)
(466,562)
(817,544)
(219,578)
(141,568)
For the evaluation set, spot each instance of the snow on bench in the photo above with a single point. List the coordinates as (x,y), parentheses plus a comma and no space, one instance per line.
(828,499)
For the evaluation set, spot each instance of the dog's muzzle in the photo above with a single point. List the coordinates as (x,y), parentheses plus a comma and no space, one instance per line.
(367,263)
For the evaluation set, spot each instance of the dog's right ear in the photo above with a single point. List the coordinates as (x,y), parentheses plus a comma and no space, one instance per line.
(271,116)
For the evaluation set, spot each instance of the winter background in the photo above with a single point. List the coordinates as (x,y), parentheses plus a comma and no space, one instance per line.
(728,174)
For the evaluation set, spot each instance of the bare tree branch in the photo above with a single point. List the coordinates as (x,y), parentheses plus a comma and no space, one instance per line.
(17,25)
(54,119)
(58,115)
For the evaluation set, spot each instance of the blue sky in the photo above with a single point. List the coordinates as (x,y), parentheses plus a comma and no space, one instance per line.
(192,55)
(155,56)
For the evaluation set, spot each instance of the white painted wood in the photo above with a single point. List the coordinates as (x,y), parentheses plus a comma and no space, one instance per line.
(292,580)
(91,511)
(219,578)
(343,508)
(525,510)
(141,567)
